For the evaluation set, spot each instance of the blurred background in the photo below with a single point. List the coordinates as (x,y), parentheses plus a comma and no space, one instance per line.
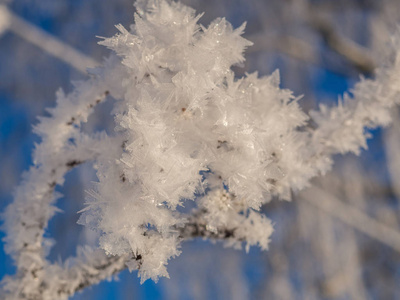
(339,239)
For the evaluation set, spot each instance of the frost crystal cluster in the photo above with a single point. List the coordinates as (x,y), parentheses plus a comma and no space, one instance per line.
(188,133)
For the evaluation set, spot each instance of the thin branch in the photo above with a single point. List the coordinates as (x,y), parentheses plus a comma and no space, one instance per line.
(46,42)
(96,269)
(195,229)
(92,267)
(4,19)
(27,217)
(352,216)
(392,143)
(111,265)
(357,55)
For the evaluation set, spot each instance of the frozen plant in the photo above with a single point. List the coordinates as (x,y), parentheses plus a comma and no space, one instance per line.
(186,129)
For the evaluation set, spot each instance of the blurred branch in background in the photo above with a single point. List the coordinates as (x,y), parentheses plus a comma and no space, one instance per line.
(352,216)
(356,55)
(43,40)
(392,146)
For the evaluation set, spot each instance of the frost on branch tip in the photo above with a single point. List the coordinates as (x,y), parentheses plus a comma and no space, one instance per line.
(186,129)
(191,130)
